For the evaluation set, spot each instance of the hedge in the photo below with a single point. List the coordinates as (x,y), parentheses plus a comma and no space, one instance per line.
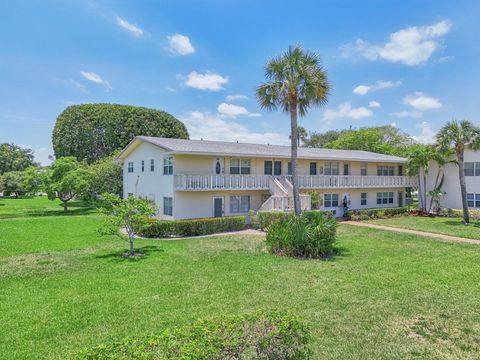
(193,227)
(272,335)
(263,219)
(375,213)
(474,214)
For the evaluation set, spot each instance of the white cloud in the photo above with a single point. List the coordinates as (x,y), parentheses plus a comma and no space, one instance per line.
(406,114)
(345,110)
(410,46)
(421,102)
(361,90)
(180,44)
(230,110)
(427,134)
(374,104)
(133,29)
(91,76)
(236,97)
(210,127)
(379,85)
(74,84)
(208,81)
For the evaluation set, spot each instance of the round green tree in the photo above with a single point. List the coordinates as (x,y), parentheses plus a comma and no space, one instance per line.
(91,132)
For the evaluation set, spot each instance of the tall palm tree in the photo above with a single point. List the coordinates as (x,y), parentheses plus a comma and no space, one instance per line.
(296,80)
(460,135)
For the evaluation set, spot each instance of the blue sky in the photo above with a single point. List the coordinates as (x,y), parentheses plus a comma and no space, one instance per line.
(409,63)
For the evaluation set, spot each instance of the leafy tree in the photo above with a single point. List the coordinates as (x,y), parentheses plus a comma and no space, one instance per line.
(15,158)
(295,81)
(319,140)
(91,132)
(382,139)
(130,213)
(65,179)
(106,177)
(460,135)
(34,179)
(12,183)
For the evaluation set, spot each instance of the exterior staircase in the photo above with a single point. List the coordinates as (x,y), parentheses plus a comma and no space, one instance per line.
(281,198)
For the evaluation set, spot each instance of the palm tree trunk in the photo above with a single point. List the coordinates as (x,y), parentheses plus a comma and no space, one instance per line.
(463,186)
(294,142)
(420,193)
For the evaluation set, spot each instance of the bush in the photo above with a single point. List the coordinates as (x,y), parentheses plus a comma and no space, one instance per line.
(367,214)
(257,336)
(193,227)
(262,219)
(474,214)
(310,235)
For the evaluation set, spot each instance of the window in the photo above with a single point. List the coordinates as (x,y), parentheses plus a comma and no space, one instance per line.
(363,199)
(331,168)
(239,204)
(143,166)
(168,165)
(346,169)
(473,200)
(384,198)
(268,167)
(168,206)
(289,168)
(383,170)
(400,170)
(239,166)
(469,169)
(313,168)
(330,200)
(363,169)
(130,167)
(277,168)
(477,169)
(152,165)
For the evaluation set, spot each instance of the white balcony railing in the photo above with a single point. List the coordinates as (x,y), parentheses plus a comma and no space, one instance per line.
(261,182)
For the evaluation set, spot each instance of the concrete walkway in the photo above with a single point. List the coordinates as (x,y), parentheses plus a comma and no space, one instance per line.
(414,232)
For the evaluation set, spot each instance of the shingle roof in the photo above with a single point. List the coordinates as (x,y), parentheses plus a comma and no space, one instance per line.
(205,147)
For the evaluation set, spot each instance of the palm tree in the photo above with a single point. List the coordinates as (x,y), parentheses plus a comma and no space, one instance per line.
(459,135)
(302,135)
(296,80)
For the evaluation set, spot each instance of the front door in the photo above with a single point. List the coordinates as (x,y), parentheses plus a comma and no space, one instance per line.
(400,199)
(218,206)
(218,166)
(400,170)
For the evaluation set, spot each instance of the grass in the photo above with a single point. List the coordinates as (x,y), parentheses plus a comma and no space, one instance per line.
(438,225)
(385,296)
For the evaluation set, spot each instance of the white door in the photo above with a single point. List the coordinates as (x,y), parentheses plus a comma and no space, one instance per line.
(219,166)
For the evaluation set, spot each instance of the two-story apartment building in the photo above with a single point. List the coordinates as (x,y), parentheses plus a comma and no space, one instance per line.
(447,176)
(197,178)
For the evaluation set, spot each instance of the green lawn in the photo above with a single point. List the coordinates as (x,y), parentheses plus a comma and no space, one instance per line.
(439,225)
(385,296)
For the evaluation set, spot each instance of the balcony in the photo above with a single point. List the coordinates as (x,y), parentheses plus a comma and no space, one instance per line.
(263,182)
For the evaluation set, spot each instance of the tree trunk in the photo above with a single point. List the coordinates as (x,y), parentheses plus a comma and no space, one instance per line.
(132,252)
(420,194)
(425,189)
(65,207)
(294,142)
(463,186)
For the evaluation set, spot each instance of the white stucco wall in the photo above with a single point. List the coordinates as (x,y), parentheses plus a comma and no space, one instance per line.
(153,185)
(451,184)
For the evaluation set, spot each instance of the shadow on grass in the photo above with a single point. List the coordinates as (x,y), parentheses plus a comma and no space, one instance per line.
(74,208)
(121,256)
(459,222)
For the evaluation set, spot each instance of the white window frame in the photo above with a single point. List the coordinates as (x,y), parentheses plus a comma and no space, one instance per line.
(239,204)
(363,199)
(152,165)
(143,165)
(329,168)
(385,198)
(130,167)
(469,166)
(385,170)
(329,200)
(315,168)
(168,165)
(244,166)
(364,169)
(168,205)
(473,200)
